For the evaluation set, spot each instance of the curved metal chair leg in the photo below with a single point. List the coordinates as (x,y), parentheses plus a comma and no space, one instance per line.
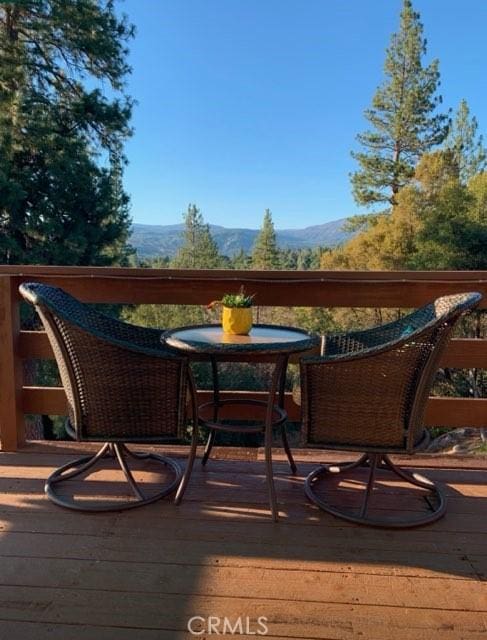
(137,455)
(81,465)
(425,483)
(189,467)
(373,459)
(208,447)
(287,449)
(374,462)
(111,451)
(414,478)
(128,475)
(346,466)
(194,444)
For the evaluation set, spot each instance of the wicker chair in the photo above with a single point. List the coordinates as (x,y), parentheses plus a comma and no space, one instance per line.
(368,392)
(122,386)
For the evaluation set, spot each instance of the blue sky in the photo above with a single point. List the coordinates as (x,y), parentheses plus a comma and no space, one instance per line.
(249,104)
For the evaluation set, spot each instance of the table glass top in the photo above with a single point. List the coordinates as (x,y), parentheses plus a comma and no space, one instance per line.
(261,337)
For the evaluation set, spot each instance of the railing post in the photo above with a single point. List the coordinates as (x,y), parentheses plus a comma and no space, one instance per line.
(11,414)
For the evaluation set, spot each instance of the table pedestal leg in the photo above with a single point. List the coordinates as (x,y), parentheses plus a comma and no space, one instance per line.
(216,405)
(276,385)
(282,389)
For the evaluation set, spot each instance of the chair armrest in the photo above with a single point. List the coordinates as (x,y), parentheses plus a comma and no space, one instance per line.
(359,341)
(124,335)
(350,352)
(132,337)
(378,336)
(64,308)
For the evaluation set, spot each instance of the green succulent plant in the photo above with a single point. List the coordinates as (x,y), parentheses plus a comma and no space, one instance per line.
(234,300)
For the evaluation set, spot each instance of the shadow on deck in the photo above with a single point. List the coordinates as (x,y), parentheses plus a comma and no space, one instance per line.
(143,574)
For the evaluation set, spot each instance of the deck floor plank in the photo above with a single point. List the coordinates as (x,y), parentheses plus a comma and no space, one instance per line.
(306,620)
(142,574)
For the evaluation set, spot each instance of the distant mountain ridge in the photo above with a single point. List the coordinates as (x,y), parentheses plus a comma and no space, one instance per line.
(151,241)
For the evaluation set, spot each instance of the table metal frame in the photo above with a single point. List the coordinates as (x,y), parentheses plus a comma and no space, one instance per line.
(275,413)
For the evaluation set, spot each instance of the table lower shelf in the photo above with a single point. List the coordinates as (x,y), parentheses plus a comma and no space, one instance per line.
(221,424)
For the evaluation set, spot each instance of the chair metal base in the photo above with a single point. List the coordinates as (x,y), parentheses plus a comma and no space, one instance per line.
(118,451)
(436,500)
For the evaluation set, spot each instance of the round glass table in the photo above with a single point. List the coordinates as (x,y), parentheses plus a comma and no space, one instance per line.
(265,343)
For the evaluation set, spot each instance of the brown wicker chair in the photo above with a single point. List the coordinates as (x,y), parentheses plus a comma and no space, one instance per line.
(368,393)
(122,386)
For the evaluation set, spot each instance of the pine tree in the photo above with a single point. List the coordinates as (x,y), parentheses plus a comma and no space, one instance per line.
(265,254)
(467,147)
(241,260)
(61,159)
(199,250)
(403,119)
(289,258)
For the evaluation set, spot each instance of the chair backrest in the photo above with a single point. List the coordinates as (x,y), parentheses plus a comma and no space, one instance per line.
(370,388)
(120,382)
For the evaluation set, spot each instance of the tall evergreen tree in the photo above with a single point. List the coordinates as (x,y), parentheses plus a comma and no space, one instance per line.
(467,146)
(199,250)
(241,260)
(61,137)
(265,254)
(403,118)
(289,258)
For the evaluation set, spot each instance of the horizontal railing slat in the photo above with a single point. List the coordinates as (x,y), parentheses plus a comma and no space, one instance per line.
(465,353)
(456,412)
(44,401)
(276,288)
(35,345)
(461,353)
(444,412)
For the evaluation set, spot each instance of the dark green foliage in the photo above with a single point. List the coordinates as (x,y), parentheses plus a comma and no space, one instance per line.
(61,160)
(403,118)
(199,250)
(241,260)
(305,259)
(467,146)
(265,254)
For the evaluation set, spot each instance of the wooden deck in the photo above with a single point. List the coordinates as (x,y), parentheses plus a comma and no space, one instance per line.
(143,574)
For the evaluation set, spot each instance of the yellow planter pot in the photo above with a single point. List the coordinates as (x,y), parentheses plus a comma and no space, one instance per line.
(237,320)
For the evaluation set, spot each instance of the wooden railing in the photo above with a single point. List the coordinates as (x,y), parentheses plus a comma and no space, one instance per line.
(276,288)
